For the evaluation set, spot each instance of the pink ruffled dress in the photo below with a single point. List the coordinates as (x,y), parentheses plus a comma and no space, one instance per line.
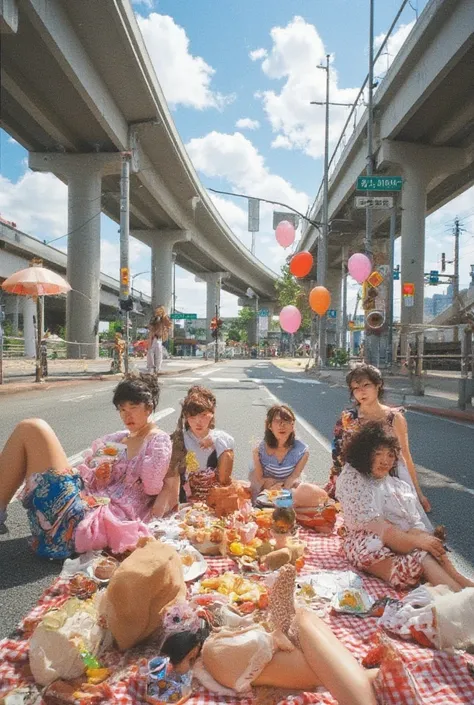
(125,494)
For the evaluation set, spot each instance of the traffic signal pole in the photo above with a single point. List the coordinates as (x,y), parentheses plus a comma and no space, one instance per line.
(124,246)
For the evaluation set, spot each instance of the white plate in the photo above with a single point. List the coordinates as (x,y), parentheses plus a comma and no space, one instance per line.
(196,569)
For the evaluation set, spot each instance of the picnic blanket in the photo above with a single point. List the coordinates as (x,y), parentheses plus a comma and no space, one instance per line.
(429,677)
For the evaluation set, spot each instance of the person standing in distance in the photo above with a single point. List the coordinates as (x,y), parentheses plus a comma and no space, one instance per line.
(158,331)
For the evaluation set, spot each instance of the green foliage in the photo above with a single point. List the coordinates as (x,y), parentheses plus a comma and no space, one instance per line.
(339,358)
(291,293)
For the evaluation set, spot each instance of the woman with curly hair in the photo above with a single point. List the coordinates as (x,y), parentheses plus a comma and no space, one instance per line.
(366,387)
(158,331)
(203,456)
(107,499)
(385,533)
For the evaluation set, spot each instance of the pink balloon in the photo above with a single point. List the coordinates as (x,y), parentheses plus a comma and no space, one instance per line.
(290,319)
(359,267)
(285,233)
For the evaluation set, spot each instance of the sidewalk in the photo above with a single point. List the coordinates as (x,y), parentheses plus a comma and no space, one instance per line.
(18,375)
(441,389)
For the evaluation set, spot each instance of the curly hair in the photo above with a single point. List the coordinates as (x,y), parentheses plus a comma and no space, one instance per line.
(363,371)
(136,389)
(283,412)
(198,400)
(360,449)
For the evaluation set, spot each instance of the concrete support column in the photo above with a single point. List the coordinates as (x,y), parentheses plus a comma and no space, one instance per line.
(29,314)
(162,243)
(334,285)
(83,173)
(12,308)
(213,296)
(420,166)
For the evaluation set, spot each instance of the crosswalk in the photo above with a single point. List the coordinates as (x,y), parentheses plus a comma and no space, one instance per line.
(258,381)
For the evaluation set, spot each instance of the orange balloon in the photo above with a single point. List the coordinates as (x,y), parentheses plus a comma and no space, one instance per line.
(301,264)
(319,299)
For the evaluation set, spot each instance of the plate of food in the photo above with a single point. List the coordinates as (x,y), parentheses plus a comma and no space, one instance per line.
(194,564)
(274,498)
(244,594)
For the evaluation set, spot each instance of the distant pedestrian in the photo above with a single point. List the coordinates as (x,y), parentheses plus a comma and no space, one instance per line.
(158,331)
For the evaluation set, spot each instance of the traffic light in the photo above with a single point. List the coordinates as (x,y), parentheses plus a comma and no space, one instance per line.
(434,277)
(126,304)
(396,273)
(125,276)
(216,323)
(443,262)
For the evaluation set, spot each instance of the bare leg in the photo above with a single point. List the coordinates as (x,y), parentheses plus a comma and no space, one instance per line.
(32,447)
(445,563)
(433,573)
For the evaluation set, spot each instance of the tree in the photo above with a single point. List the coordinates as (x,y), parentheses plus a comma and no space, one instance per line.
(291,293)
(237,330)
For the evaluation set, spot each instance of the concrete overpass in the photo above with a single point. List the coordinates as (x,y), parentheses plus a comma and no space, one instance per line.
(424,131)
(17,249)
(78,90)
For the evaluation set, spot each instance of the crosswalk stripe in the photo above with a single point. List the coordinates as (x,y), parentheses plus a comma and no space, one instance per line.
(213,370)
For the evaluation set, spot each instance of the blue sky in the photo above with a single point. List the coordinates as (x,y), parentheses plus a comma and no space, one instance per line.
(238,76)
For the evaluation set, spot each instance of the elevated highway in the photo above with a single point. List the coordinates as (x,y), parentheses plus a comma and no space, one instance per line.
(423,131)
(17,249)
(78,91)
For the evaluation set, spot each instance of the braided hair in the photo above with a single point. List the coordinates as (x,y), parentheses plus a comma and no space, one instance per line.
(197,401)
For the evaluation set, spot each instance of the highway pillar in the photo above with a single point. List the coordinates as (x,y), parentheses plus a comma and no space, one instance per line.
(420,166)
(162,243)
(29,314)
(333,325)
(83,173)
(213,296)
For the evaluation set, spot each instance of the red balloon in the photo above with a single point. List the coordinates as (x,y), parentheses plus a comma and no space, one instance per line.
(319,299)
(301,264)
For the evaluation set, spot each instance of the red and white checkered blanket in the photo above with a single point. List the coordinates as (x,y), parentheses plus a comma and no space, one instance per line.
(429,677)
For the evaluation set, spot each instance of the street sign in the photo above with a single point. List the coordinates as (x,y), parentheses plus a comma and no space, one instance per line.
(375,279)
(434,277)
(183,316)
(254,215)
(379,183)
(332,313)
(263,313)
(374,202)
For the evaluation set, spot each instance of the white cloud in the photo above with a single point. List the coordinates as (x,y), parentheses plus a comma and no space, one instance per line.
(37,203)
(149,4)
(235,159)
(184,78)
(258,54)
(247,124)
(391,49)
(296,52)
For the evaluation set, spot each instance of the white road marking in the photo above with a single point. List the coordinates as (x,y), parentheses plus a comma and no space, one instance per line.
(304,381)
(464,424)
(81,397)
(210,371)
(184,379)
(231,380)
(307,426)
(277,380)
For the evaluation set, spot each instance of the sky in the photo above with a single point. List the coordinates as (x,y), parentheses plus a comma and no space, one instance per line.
(239,76)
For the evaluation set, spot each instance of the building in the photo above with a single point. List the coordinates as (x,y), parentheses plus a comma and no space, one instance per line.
(436,304)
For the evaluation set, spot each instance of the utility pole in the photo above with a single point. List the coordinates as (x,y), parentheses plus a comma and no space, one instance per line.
(456,232)
(344,298)
(125,299)
(391,264)
(370,128)
(322,263)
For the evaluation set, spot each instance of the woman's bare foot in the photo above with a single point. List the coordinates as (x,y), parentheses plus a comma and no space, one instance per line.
(281,641)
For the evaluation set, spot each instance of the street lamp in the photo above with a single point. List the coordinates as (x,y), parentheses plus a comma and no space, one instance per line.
(137,275)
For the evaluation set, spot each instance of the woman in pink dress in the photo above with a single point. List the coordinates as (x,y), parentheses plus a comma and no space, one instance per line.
(105,501)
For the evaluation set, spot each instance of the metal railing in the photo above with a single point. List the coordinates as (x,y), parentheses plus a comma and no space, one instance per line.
(352,122)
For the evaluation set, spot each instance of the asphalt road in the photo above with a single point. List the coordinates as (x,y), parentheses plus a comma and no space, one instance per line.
(442,449)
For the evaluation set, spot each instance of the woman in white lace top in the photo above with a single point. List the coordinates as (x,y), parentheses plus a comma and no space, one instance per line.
(385,532)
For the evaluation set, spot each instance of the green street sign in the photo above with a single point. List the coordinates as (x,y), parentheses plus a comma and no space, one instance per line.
(184,316)
(379,183)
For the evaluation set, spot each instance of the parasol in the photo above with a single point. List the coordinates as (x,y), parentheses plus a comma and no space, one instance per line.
(36,281)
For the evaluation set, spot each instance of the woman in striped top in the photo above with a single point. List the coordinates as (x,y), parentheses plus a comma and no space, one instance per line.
(279,459)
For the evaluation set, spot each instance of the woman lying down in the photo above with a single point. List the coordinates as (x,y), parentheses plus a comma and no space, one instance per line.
(301,653)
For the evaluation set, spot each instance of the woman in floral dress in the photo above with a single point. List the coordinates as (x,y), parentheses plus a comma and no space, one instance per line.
(366,384)
(105,501)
